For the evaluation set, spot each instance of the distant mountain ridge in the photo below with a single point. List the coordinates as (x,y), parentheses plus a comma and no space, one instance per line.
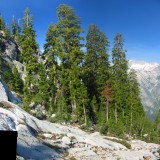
(148,75)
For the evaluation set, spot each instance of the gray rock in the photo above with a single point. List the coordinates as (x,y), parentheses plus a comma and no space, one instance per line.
(66,140)
(11,50)
(19,158)
(83,153)
(3,92)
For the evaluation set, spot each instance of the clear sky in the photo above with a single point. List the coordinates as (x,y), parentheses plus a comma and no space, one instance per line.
(137,20)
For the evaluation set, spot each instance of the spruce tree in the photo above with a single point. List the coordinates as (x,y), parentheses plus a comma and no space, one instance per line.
(51,64)
(43,87)
(18,83)
(15,29)
(2,23)
(119,83)
(29,56)
(135,107)
(96,67)
(68,44)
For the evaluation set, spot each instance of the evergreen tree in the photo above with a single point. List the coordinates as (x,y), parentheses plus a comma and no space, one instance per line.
(27,20)
(119,75)
(51,64)
(7,76)
(96,66)
(135,108)
(119,87)
(43,87)
(50,40)
(15,29)
(158,122)
(29,56)
(68,44)
(18,83)
(2,23)
(7,32)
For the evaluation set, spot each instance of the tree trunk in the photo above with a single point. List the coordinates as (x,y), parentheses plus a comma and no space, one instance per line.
(84,111)
(115,113)
(107,109)
(131,121)
(74,104)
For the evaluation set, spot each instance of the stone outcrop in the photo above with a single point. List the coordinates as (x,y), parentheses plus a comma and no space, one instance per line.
(9,48)
(3,93)
(39,140)
(7,95)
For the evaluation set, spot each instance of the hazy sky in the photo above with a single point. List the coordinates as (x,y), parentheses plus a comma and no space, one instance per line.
(137,20)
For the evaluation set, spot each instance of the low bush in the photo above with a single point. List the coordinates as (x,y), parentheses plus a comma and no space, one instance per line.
(123,142)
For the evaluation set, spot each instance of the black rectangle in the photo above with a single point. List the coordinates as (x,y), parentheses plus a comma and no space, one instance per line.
(8,145)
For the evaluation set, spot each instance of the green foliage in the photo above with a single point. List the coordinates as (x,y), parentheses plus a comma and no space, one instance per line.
(104,128)
(96,68)
(158,121)
(123,142)
(18,83)
(2,23)
(5,105)
(63,46)
(43,86)
(29,56)
(27,20)
(7,32)
(51,66)
(8,77)
(15,27)
(61,117)
(79,87)
(15,30)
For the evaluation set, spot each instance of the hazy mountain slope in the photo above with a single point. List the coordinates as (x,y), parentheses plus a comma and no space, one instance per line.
(148,75)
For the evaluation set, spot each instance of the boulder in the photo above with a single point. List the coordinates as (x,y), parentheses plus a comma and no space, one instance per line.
(66,140)
(147,157)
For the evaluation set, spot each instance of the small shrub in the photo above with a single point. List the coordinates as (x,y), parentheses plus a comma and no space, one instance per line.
(53,138)
(72,158)
(66,154)
(104,129)
(123,142)
(41,136)
(5,105)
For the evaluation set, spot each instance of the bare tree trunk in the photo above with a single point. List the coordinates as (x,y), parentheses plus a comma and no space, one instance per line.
(107,109)
(123,112)
(142,129)
(84,111)
(131,121)
(115,113)
(27,20)
(74,104)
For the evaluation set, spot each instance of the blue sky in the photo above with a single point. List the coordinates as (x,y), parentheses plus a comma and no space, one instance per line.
(137,20)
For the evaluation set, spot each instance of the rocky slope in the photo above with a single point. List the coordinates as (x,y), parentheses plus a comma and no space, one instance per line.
(42,140)
(39,140)
(148,75)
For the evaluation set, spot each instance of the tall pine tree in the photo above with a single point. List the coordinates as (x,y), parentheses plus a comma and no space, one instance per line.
(51,64)
(28,56)
(67,47)
(96,67)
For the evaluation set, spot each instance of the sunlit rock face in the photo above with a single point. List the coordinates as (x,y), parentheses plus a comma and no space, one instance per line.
(148,75)
(3,94)
(42,140)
